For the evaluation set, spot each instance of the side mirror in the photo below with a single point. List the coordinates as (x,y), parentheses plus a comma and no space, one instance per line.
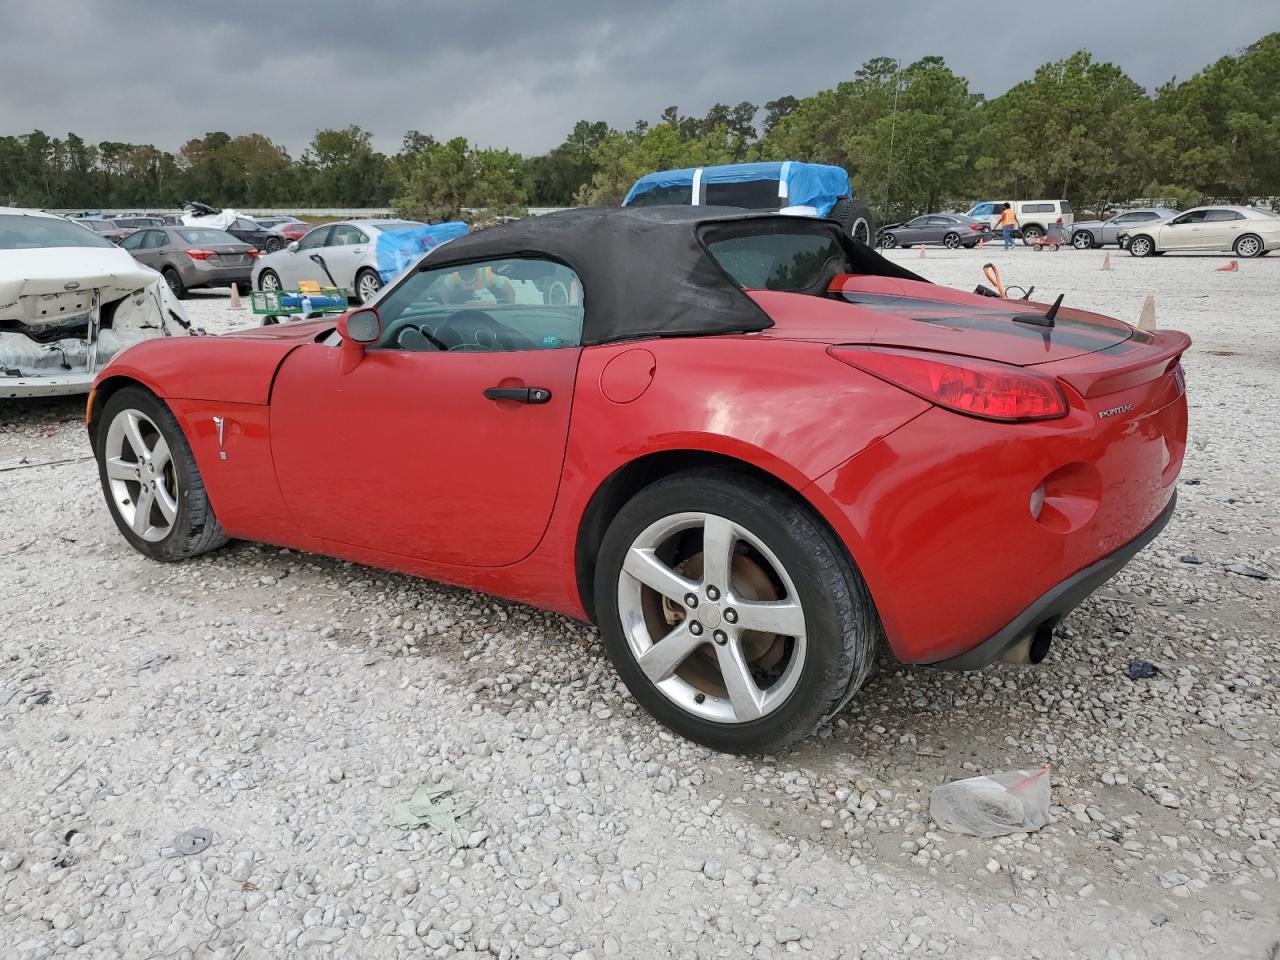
(293,246)
(358,329)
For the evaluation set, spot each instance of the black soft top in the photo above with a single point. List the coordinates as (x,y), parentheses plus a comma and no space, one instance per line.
(645,271)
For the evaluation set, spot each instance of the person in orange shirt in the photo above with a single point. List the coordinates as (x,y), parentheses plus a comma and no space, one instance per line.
(1007,224)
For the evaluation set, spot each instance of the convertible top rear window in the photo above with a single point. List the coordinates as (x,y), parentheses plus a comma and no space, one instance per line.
(793,260)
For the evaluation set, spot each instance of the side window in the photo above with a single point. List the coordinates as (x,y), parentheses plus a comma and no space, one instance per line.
(345,235)
(941,222)
(132,242)
(1221,215)
(155,239)
(496,306)
(1037,208)
(1195,216)
(318,237)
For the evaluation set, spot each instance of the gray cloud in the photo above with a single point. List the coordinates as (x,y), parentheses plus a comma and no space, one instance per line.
(519,74)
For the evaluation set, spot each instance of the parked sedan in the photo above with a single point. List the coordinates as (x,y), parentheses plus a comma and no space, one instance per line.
(748,462)
(1101,233)
(105,228)
(343,254)
(952,230)
(1244,231)
(283,234)
(190,257)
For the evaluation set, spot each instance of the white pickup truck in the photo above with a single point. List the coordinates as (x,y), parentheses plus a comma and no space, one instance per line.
(1035,217)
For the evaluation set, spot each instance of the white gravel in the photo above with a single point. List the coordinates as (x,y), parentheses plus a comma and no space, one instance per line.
(287,702)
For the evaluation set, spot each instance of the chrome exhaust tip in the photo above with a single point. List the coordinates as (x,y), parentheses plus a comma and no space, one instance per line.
(1032,648)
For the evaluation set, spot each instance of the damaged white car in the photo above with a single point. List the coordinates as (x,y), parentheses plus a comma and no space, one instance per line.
(70,300)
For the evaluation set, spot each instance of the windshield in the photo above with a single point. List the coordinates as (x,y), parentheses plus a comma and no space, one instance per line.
(28,233)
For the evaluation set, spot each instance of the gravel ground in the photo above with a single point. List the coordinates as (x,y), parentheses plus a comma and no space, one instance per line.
(286,703)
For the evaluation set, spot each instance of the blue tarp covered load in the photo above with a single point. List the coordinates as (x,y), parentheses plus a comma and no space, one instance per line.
(397,249)
(807,184)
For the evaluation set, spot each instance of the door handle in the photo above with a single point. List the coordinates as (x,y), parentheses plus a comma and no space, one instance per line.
(519,394)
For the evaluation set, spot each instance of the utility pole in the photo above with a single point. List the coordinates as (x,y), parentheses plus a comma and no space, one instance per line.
(893,128)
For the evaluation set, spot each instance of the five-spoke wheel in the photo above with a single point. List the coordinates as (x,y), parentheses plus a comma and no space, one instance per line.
(141,477)
(731,612)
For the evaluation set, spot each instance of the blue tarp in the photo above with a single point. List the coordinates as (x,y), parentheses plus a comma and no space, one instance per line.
(396,250)
(808,184)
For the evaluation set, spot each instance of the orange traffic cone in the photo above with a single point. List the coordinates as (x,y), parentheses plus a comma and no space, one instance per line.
(1106,262)
(235,298)
(922,250)
(1231,267)
(982,243)
(1147,319)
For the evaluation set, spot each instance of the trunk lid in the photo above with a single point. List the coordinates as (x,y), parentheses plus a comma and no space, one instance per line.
(888,312)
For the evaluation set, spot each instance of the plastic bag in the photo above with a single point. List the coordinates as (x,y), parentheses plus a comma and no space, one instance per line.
(1013,802)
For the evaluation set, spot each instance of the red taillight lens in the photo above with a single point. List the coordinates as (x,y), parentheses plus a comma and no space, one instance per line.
(975,226)
(199,254)
(253,253)
(1059,221)
(976,388)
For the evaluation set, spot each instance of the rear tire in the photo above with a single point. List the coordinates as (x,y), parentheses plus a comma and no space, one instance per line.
(174,280)
(1249,246)
(1031,233)
(786,685)
(368,283)
(855,216)
(162,479)
(274,244)
(951,241)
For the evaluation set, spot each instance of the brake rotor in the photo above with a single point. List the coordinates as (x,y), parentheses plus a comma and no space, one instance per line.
(748,580)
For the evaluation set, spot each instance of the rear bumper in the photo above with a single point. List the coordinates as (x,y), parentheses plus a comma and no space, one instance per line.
(1054,605)
(207,276)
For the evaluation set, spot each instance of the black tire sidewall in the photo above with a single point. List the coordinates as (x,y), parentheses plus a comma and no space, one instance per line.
(262,277)
(1146,242)
(178,288)
(142,400)
(1249,256)
(795,538)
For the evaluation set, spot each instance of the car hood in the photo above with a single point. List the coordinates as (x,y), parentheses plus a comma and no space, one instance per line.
(1088,223)
(49,271)
(906,313)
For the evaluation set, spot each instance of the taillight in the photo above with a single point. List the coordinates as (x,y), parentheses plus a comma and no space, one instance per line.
(199,254)
(253,253)
(1059,221)
(975,226)
(976,388)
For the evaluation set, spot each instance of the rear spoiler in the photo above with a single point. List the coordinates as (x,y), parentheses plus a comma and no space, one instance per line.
(1140,359)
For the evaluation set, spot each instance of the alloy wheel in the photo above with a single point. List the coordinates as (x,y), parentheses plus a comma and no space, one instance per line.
(269,281)
(1248,246)
(951,241)
(861,231)
(367,287)
(1082,240)
(1139,246)
(712,617)
(141,475)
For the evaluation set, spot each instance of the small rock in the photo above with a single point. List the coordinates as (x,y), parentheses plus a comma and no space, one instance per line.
(1244,570)
(1142,670)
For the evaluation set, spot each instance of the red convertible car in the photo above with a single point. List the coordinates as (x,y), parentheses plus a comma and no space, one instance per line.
(744,445)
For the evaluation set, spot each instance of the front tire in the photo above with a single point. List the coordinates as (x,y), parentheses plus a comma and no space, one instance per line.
(268,280)
(150,479)
(1141,246)
(731,613)
(888,241)
(1082,240)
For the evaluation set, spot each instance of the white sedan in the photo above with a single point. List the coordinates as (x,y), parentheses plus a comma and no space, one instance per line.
(1244,231)
(344,254)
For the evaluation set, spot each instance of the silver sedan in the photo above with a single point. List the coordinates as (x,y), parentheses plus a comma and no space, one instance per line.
(342,254)
(1100,233)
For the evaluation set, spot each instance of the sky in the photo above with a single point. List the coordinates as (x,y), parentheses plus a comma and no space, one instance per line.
(519,74)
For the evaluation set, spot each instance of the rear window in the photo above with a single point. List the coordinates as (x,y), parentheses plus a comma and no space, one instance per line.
(661,196)
(784,259)
(28,233)
(752,195)
(205,235)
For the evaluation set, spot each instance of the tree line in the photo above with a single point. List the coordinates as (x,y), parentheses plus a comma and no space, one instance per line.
(913,137)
